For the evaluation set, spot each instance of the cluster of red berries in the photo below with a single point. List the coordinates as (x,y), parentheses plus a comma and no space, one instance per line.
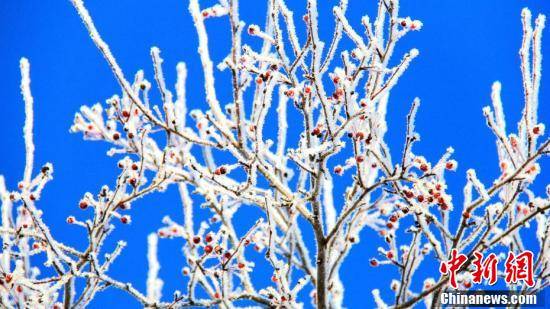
(168,232)
(392,221)
(360,135)
(410,24)
(7,278)
(317,131)
(289,93)
(435,195)
(222,170)
(282,299)
(263,77)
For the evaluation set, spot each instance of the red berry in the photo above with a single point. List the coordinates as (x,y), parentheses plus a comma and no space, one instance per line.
(373,262)
(420,198)
(338,93)
(220,170)
(389,255)
(70,219)
(125,113)
(19,289)
(208,249)
(208,238)
(241,265)
(408,194)
(338,170)
(227,255)
(83,205)
(536,130)
(196,239)
(513,141)
(393,218)
(449,165)
(359,159)
(116,136)
(135,166)
(125,219)
(424,167)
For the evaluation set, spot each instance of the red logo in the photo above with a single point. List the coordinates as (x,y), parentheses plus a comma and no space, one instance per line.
(517,268)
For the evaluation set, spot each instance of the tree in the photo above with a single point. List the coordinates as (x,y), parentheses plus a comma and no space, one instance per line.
(343,106)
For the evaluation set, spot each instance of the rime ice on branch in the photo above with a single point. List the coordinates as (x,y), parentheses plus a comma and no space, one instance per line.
(342,97)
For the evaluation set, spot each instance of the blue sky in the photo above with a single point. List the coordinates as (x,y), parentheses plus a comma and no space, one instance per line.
(464,46)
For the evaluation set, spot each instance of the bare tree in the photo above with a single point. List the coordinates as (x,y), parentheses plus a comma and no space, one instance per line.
(342,97)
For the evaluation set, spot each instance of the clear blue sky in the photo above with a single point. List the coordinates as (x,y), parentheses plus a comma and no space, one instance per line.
(464,46)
